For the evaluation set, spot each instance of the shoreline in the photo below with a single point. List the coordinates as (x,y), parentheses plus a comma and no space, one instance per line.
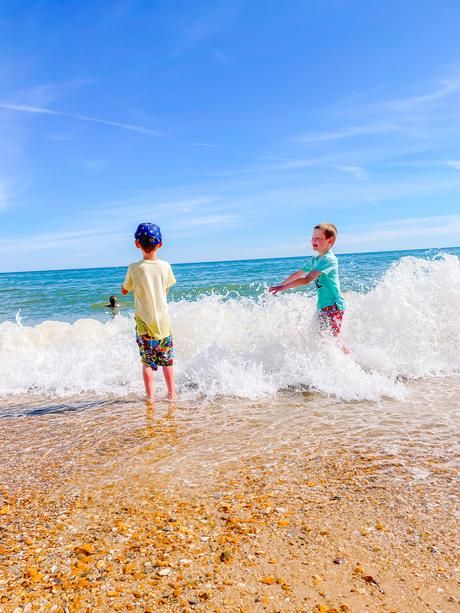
(107,526)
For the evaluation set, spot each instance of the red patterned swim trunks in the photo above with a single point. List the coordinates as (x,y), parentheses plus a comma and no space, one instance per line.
(330,319)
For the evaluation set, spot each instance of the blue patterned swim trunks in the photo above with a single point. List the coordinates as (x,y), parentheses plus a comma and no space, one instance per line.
(156,352)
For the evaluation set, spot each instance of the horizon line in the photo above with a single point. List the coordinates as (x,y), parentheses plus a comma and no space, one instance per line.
(292,257)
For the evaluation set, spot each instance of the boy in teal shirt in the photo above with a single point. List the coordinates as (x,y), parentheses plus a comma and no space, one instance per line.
(323,270)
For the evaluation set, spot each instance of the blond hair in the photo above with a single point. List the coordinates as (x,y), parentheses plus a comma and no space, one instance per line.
(330,231)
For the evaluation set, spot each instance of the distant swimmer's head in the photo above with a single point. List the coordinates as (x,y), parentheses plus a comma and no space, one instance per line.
(148,237)
(113,301)
(323,237)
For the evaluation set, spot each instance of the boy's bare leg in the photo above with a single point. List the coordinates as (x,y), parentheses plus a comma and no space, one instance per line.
(168,373)
(147,374)
(342,346)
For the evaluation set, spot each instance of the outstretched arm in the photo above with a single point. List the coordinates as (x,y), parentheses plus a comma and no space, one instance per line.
(297,281)
(292,277)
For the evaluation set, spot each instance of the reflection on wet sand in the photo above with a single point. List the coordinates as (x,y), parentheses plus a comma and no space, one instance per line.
(303,504)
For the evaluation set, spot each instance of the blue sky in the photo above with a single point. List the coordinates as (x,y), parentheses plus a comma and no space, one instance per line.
(234,125)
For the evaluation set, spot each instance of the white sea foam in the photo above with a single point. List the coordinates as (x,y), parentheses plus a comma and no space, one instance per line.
(407,326)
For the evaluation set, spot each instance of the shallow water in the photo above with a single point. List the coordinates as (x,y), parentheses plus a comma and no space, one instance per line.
(193,443)
(68,295)
(301,487)
(406,327)
(254,378)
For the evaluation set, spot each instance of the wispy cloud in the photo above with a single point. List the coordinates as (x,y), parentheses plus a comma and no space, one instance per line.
(221,56)
(55,240)
(44,94)
(445,89)
(213,220)
(319,137)
(432,230)
(26,108)
(201,144)
(61,137)
(292,164)
(205,21)
(373,103)
(95,165)
(356,171)
(454,164)
(10,189)
(3,196)
(125,126)
(151,203)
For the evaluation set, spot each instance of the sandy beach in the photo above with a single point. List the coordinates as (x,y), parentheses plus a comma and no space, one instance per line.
(250,208)
(229,506)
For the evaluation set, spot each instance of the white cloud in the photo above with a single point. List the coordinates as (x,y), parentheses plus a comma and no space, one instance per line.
(125,126)
(61,137)
(320,137)
(57,240)
(148,204)
(357,172)
(40,96)
(26,108)
(454,164)
(3,196)
(446,88)
(10,189)
(213,220)
(200,144)
(426,231)
(95,165)
(293,164)
(221,56)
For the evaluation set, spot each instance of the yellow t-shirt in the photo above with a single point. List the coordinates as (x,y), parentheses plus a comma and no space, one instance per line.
(149,280)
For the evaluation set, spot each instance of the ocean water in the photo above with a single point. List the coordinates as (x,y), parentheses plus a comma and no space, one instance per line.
(256,382)
(232,338)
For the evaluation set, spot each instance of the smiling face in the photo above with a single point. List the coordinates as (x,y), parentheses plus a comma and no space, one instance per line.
(320,243)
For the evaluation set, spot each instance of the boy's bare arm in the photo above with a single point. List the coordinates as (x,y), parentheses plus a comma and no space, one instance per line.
(296,282)
(292,277)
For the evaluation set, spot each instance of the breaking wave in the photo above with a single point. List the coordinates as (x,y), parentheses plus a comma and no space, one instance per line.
(407,326)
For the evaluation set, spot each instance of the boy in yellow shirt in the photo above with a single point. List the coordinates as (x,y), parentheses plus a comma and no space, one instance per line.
(150,280)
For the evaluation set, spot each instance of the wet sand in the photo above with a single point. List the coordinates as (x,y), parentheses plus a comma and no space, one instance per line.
(232,506)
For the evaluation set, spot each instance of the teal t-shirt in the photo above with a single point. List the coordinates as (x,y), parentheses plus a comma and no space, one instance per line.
(327,284)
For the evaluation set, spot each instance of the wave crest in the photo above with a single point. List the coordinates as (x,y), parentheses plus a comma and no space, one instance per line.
(408,325)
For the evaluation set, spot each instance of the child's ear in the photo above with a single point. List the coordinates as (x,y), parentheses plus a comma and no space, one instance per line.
(160,245)
(137,243)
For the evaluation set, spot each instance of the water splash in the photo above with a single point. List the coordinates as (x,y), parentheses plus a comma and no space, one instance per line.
(407,326)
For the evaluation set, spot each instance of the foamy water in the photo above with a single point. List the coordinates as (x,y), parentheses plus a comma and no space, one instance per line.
(406,326)
(264,402)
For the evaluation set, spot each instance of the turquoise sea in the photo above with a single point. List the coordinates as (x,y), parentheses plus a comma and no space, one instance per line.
(231,337)
(68,295)
(254,377)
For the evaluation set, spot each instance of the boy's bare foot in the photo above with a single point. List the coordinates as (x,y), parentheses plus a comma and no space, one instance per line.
(172,396)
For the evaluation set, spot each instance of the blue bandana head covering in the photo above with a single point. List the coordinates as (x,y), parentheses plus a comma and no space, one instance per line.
(148,235)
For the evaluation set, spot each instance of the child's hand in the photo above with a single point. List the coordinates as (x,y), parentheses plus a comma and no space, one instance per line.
(275,289)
